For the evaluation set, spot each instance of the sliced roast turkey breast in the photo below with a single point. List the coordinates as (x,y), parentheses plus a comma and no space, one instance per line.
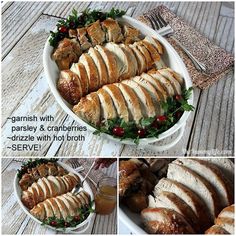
(213,175)
(145,99)
(152,91)
(92,71)
(89,108)
(163,81)
(228,212)
(226,223)
(110,62)
(197,184)
(157,85)
(142,65)
(132,102)
(108,110)
(216,229)
(155,43)
(118,100)
(55,208)
(79,69)
(188,196)
(171,201)
(123,61)
(165,221)
(132,59)
(101,66)
(176,75)
(168,75)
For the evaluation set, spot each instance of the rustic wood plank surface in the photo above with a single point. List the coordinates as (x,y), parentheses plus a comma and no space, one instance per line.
(209,130)
(15,221)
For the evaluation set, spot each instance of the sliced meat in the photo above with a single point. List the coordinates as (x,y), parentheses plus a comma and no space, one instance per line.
(145,99)
(92,71)
(188,196)
(122,58)
(101,66)
(142,66)
(165,221)
(89,108)
(157,85)
(110,62)
(163,81)
(197,184)
(82,37)
(118,101)
(79,69)
(155,43)
(176,75)
(228,212)
(132,102)
(214,177)
(226,223)
(108,110)
(216,229)
(96,34)
(131,34)
(171,201)
(113,30)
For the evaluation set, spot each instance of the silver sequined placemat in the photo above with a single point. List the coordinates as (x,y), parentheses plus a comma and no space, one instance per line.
(218,61)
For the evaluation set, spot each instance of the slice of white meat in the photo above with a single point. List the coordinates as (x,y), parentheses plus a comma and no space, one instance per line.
(155,43)
(142,65)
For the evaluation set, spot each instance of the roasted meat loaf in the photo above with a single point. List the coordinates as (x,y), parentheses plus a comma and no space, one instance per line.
(61,206)
(48,187)
(133,99)
(109,64)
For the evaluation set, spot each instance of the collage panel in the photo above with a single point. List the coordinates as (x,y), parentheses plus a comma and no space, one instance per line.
(176,195)
(51,195)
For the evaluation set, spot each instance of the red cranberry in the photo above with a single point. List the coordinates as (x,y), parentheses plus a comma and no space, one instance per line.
(76,218)
(63,29)
(118,131)
(178,97)
(141,133)
(161,118)
(53,223)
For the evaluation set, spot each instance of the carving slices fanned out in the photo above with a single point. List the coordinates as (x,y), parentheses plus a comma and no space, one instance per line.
(48,187)
(217,179)
(165,221)
(132,100)
(61,206)
(197,184)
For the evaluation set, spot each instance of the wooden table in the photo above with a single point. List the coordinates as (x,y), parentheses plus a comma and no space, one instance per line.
(25,28)
(15,221)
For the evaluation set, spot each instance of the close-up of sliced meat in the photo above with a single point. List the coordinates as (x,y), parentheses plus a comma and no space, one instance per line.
(101,66)
(132,102)
(188,196)
(79,69)
(146,54)
(142,65)
(122,58)
(131,34)
(176,75)
(224,164)
(163,81)
(110,62)
(118,100)
(55,208)
(171,201)
(69,86)
(155,43)
(228,212)
(216,229)
(198,184)
(113,30)
(95,33)
(213,175)
(165,221)
(108,110)
(226,223)
(132,59)
(83,39)
(89,108)
(92,71)
(157,85)
(145,99)
(152,91)
(168,75)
